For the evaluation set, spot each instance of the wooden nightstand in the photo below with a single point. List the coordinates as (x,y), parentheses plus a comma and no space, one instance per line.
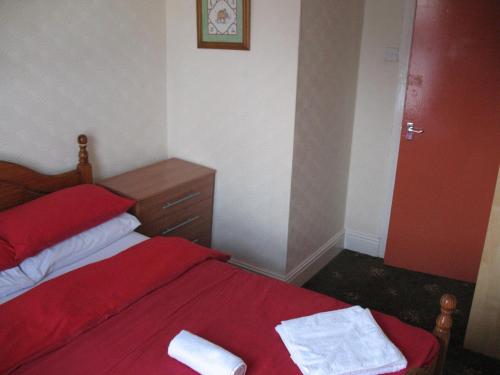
(174,198)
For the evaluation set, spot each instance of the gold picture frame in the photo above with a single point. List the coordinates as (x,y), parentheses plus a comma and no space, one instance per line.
(223,24)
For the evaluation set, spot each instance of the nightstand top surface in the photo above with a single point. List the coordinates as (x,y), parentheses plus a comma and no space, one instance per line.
(154,179)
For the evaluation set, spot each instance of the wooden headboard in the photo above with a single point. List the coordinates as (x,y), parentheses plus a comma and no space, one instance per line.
(19,184)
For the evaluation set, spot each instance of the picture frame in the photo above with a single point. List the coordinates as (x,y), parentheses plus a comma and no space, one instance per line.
(223,24)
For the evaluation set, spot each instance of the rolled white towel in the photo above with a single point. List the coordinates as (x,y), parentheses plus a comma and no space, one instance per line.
(203,356)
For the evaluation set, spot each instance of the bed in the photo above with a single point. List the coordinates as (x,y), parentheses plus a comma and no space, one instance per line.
(107,314)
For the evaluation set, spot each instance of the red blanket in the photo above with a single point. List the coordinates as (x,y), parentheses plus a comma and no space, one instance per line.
(118,316)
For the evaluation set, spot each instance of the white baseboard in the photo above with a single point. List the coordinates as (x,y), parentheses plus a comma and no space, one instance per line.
(317,260)
(365,243)
(256,269)
(307,268)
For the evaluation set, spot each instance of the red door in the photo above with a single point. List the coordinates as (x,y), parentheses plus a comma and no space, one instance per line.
(446,175)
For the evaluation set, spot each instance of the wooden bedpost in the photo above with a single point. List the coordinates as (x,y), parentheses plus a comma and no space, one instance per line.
(84,166)
(442,329)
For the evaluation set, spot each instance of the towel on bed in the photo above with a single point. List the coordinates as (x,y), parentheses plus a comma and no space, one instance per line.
(346,341)
(203,356)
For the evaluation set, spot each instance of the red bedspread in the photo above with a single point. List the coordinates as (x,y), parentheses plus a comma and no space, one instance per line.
(118,316)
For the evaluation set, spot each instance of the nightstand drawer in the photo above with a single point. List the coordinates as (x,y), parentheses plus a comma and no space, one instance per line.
(203,239)
(175,201)
(189,222)
(200,234)
(179,216)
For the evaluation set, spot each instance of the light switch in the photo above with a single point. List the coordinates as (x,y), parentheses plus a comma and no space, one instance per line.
(391,54)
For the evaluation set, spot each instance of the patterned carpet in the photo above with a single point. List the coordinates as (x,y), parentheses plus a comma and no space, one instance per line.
(411,296)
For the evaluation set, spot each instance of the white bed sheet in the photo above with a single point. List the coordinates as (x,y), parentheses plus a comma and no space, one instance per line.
(122,244)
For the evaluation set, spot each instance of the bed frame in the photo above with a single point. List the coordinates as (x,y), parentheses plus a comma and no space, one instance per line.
(19,184)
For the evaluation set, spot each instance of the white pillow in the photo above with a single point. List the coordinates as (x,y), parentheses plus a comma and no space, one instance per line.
(13,280)
(78,247)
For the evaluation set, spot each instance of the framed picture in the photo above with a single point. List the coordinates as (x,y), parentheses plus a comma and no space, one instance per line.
(223,24)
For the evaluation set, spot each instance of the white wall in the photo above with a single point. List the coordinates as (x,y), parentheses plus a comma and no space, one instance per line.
(70,67)
(371,167)
(94,67)
(330,38)
(234,111)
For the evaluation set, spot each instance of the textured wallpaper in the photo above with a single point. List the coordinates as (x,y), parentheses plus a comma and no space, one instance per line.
(94,67)
(234,111)
(330,38)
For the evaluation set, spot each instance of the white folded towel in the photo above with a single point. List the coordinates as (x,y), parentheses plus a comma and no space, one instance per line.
(203,356)
(346,341)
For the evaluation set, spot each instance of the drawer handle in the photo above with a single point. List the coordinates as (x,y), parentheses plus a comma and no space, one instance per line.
(180,225)
(181,200)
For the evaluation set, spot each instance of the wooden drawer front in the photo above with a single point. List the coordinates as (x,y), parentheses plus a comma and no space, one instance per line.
(190,224)
(200,234)
(174,201)
(204,239)
(193,213)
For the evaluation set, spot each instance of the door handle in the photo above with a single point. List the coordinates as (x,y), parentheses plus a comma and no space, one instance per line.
(410,130)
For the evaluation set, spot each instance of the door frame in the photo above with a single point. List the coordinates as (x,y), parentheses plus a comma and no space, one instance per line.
(399,104)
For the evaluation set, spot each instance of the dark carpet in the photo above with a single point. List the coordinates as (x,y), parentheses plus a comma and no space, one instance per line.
(411,296)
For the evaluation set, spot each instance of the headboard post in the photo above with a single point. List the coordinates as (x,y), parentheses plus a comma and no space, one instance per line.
(84,166)
(442,329)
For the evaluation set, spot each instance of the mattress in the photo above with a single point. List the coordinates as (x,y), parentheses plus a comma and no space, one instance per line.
(117,316)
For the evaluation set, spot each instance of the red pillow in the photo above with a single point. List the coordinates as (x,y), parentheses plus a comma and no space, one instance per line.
(6,256)
(43,222)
